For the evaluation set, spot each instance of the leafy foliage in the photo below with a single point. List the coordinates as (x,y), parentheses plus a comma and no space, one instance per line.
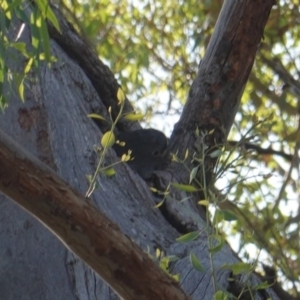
(12,47)
(155,47)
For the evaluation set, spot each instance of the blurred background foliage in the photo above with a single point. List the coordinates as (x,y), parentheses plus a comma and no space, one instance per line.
(154,48)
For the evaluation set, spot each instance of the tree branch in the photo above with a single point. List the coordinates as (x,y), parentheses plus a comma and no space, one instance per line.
(215,94)
(81,227)
(261,150)
(98,73)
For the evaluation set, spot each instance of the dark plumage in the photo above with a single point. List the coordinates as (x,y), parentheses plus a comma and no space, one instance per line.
(149,150)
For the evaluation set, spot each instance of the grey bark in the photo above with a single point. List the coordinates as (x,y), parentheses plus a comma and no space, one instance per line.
(52,125)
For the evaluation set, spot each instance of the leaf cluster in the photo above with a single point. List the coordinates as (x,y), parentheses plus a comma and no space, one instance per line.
(155,47)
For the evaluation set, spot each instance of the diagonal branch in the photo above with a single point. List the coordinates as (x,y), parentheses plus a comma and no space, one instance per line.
(260,150)
(215,94)
(98,73)
(81,227)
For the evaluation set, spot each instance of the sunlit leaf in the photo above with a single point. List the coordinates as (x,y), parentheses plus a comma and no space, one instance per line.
(216,242)
(126,157)
(186,154)
(186,238)
(133,117)
(157,252)
(216,153)
(219,216)
(96,116)
(109,172)
(203,202)
(196,263)
(193,174)
(238,268)
(159,204)
(220,295)
(89,178)
(45,39)
(185,187)
(120,95)
(21,90)
(262,286)
(108,139)
(28,66)
(229,215)
(176,277)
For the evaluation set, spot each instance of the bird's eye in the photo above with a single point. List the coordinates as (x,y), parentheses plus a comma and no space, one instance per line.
(155,153)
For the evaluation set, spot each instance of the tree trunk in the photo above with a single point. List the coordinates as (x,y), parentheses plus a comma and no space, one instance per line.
(52,125)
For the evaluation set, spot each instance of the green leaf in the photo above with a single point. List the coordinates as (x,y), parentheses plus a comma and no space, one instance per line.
(5,7)
(21,90)
(133,117)
(220,295)
(203,202)
(218,217)
(52,18)
(159,204)
(172,258)
(96,116)
(158,253)
(216,153)
(193,174)
(19,46)
(120,96)
(218,240)
(3,101)
(28,66)
(262,286)
(229,215)
(109,172)
(45,38)
(108,139)
(185,187)
(1,79)
(176,277)
(89,178)
(189,237)
(20,13)
(238,268)
(35,39)
(13,4)
(196,263)
(186,154)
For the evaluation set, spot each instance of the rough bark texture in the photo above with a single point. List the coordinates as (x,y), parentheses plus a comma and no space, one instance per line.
(85,230)
(215,95)
(52,125)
